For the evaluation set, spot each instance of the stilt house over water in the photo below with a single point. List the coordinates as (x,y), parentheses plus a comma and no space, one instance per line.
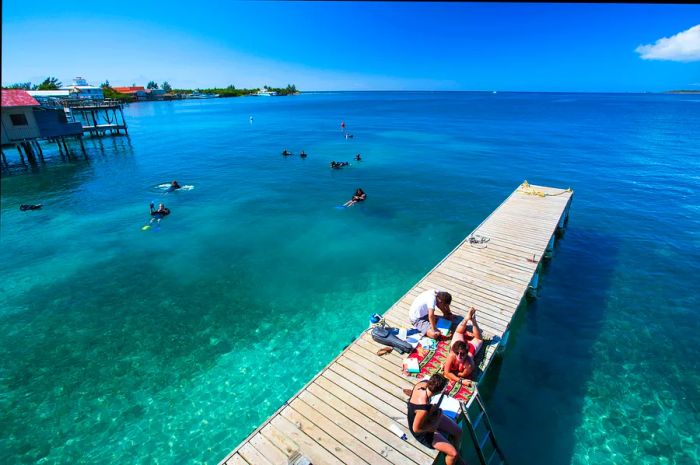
(25,121)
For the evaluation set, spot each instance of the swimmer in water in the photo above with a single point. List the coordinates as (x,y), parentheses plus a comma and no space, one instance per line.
(358,157)
(358,196)
(286,152)
(303,154)
(160,213)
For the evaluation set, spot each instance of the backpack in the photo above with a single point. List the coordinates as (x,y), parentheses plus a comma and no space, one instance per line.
(385,335)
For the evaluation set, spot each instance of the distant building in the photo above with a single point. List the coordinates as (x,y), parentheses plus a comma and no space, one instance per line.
(80,89)
(138,92)
(18,123)
(265,93)
(49,98)
(87,92)
(155,94)
(43,94)
(23,119)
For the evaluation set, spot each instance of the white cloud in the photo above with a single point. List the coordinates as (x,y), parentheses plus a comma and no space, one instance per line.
(684,46)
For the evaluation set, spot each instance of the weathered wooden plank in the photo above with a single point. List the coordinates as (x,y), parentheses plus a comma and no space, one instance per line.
(381,398)
(328,426)
(373,422)
(360,427)
(267,449)
(236,459)
(288,447)
(311,448)
(252,455)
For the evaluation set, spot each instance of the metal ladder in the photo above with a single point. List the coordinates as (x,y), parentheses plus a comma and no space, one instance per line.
(488,438)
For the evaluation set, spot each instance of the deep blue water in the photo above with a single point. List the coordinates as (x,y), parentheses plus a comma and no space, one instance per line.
(170,345)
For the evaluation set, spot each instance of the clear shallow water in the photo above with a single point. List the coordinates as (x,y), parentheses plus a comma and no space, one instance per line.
(170,346)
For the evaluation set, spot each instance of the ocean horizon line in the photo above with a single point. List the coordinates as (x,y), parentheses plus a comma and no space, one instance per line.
(497,91)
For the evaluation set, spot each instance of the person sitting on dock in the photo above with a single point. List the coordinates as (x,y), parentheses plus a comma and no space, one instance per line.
(428,424)
(460,363)
(157,215)
(422,313)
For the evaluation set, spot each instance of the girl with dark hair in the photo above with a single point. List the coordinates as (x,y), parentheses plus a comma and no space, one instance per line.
(428,424)
(460,363)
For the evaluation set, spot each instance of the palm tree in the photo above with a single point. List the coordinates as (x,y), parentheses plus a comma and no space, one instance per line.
(50,83)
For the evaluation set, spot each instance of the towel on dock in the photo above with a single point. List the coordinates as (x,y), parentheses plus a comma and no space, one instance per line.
(431,361)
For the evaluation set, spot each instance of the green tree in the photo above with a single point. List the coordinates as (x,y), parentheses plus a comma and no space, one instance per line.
(106,84)
(151,85)
(20,85)
(50,83)
(166,87)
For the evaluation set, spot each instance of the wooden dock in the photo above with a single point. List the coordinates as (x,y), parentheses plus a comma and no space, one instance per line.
(97,116)
(344,414)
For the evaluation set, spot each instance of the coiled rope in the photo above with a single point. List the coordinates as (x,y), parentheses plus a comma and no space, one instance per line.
(478,241)
(526,188)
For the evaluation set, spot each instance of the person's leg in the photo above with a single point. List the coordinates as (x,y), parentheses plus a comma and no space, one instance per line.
(449,426)
(476,331)
(458,335)
(432,334)
(423,326)
(460,331)
(442,445)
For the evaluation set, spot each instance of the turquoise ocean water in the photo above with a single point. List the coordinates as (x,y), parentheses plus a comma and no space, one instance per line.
(169,346)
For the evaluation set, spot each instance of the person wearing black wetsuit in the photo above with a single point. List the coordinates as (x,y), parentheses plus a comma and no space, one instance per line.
(433,428)
(157,215)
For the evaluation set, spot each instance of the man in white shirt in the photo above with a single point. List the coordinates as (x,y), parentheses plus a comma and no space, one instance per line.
(422,313)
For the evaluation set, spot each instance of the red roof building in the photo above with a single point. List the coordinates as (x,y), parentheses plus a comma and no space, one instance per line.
(17,98)
(130,90)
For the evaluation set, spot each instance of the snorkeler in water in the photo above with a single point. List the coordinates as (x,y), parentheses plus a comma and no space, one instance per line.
(160,213)
(174,186)
(358,196)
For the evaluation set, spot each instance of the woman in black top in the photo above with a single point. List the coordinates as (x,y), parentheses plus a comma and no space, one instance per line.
(430,427)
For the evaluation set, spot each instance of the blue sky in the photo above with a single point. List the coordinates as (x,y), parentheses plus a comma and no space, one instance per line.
(355,46)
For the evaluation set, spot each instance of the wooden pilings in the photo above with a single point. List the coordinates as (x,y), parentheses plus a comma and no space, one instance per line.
(533,287)
(98,117)
(31,151)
